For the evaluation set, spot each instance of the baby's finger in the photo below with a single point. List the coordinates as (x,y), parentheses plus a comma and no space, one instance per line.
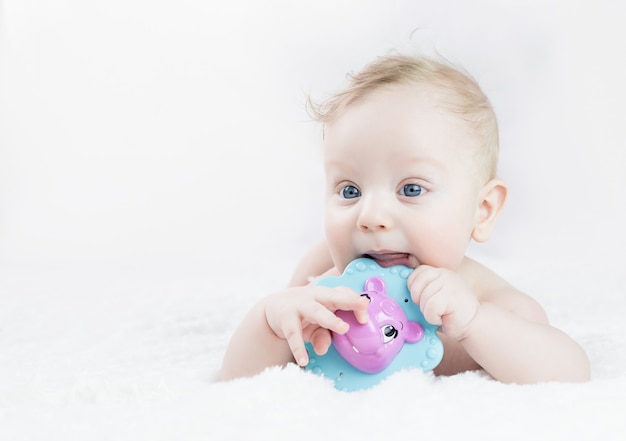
(321,340)
(318,313)
(345,299)
(293,334)
(419,279)
(361,312)
(433,310)
(342,298)
(361,315)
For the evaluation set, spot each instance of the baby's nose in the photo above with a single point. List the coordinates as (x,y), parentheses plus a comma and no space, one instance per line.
(374,217)
(372,227)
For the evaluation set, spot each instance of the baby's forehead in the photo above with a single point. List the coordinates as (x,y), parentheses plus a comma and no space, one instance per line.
(403,97)
(406,121)
(404,107)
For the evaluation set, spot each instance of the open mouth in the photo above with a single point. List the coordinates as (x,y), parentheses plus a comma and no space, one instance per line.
(387,259)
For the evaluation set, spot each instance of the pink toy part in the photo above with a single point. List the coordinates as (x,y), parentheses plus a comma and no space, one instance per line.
(372,346)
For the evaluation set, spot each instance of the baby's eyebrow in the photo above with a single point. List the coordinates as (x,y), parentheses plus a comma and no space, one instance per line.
(345,167)
(337,162)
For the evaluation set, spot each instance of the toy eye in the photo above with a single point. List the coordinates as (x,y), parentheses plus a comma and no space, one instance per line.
(367,296)
(350,192)
(389,333)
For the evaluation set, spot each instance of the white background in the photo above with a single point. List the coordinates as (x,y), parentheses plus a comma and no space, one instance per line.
(137,131)
(159,174)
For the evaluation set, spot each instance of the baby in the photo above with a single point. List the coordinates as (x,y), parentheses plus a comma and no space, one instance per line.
(410,157)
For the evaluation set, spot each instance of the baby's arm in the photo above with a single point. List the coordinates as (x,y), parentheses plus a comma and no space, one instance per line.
(503,330)
(515,349)
(253,346)
(274,331)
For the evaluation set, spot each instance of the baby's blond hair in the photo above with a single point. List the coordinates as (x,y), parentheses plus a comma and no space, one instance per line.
(461,96)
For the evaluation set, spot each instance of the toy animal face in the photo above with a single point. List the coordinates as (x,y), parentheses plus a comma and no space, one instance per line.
(372,346)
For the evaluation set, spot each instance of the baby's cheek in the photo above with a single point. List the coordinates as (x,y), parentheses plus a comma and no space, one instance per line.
(340,247)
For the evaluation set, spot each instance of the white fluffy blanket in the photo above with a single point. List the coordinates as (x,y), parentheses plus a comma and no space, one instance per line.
(103,353)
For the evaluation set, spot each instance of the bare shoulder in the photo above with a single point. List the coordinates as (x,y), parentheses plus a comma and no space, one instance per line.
(490,287)
(316,262)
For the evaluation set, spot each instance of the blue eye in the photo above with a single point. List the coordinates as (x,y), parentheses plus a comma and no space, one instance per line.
(350,192)
(412,190)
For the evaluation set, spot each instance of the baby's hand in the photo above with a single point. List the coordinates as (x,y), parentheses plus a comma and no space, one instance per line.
(444,298)
(307,314)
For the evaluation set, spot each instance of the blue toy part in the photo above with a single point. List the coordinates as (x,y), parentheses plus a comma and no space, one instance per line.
(425,354)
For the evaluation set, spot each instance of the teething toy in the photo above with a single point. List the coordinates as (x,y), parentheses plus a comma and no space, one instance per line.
(372,346)
(396,336)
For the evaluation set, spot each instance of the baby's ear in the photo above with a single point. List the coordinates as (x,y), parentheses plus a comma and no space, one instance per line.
(492,201)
